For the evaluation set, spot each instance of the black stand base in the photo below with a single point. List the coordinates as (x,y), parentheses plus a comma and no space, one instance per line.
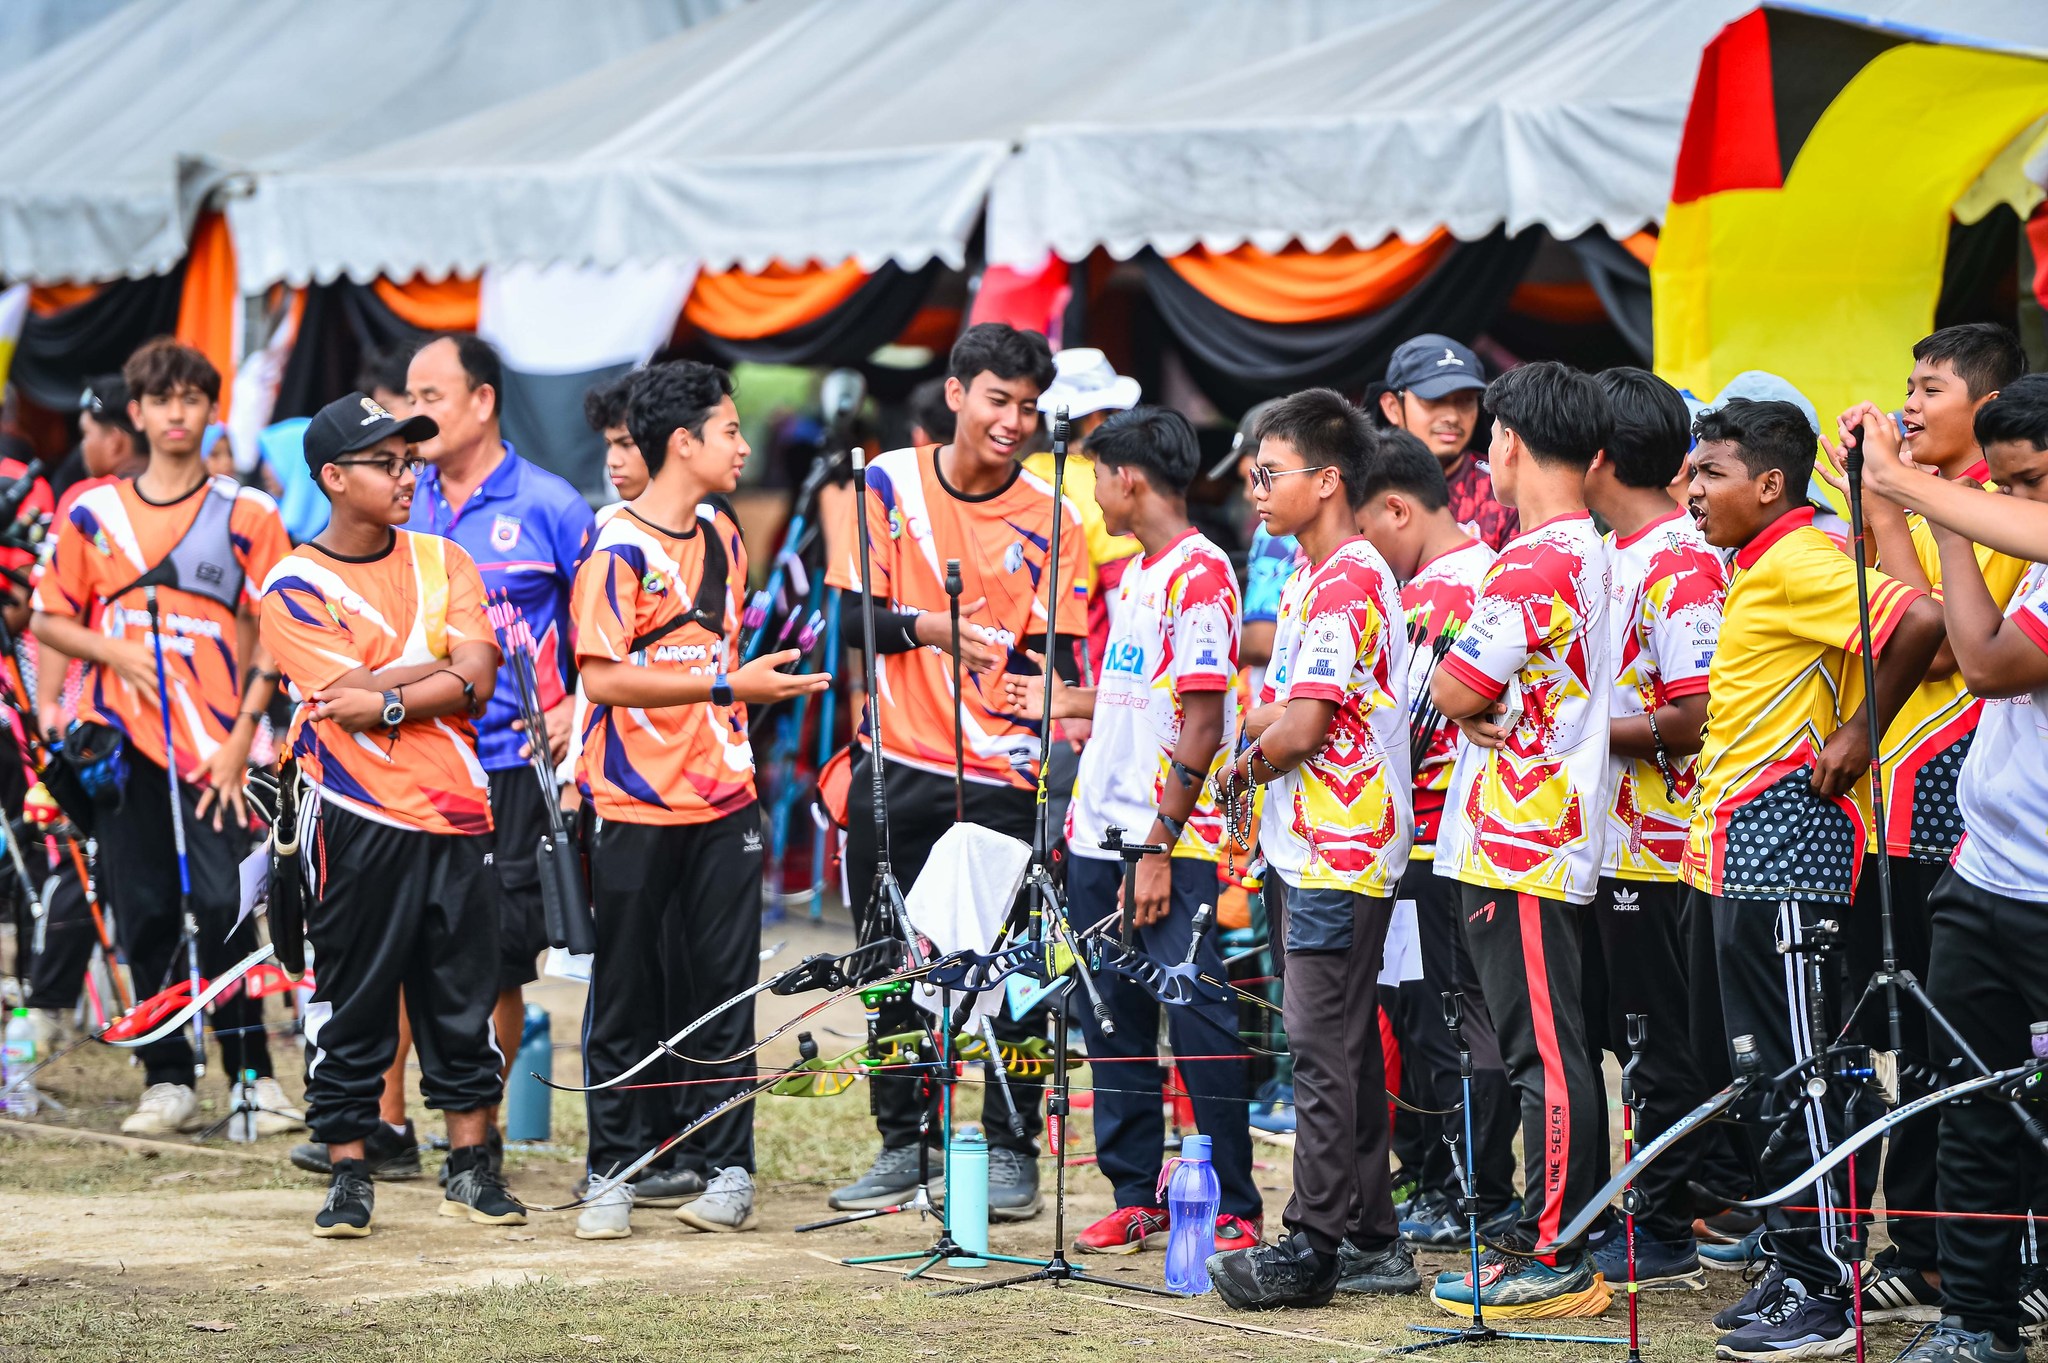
(1447,1335)
(1057,1271)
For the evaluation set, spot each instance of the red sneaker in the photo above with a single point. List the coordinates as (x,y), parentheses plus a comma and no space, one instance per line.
(1234,1232)
(1124,1231)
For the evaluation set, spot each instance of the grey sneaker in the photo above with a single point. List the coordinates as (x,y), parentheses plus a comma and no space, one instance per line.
(1012,1185)
(1391,1271)
(1949,1342)
(351,1203)
(608,1217)
(727,1204)
(477,1191)
(889,1180)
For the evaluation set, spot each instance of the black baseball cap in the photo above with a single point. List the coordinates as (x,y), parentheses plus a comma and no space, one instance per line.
(357,422)
(1431,366)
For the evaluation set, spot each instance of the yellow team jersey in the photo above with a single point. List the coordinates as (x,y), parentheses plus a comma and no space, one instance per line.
(1785,672)
(1077,485)
(1929,737)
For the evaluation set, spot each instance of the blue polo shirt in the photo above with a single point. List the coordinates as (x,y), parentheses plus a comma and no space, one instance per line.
(528,531)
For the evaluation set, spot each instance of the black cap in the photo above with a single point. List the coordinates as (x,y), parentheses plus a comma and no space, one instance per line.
(1430,366)
(357,422)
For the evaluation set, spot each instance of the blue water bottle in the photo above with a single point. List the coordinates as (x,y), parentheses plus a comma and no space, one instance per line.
(1192,1195)
(528,1102)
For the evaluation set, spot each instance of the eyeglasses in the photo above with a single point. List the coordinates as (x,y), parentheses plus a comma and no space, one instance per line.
(391,465)
(1261,478)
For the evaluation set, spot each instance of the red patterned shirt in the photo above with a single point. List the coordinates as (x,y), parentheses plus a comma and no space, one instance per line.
(1478,512)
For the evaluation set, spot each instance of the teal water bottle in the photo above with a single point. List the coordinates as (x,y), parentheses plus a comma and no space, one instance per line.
(967,1197)
(528,1105)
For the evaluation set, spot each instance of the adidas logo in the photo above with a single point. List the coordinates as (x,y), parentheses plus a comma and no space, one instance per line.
(1625,901)
(750,841)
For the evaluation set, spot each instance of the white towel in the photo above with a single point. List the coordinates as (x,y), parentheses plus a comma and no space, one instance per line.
(962,897)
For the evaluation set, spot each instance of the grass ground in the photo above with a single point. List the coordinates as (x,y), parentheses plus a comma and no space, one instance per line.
(167,1254)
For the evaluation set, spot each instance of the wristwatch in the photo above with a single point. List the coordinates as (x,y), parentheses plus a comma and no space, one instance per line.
(394,710)
(721,690)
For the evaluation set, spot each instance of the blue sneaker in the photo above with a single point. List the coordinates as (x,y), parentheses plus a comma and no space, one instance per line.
(1512,1287)
(1660,1267)
(1273,1108)
(1736,1257)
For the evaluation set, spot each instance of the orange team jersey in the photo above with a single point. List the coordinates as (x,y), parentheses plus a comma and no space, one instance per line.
(674,764)
(1438,601)
(326,616)
(1785,673)
(1003,541)
(107,540)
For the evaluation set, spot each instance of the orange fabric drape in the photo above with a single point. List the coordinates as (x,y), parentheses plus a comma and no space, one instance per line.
(1566,301)
(738,306)
(1643,246)
(432,305)
(1295,285)
(211,299)
(45,299)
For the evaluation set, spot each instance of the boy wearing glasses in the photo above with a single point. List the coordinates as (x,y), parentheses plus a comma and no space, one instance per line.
(382,635)
(222,540)
(1330,737)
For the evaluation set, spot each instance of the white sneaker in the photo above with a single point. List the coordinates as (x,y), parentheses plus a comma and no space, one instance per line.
(608,1216)
(164,1109)
(278,1115)
(727,1203)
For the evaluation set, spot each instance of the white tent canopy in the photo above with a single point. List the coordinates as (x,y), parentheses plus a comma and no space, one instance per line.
(116,137)
(786,130)
(1466,114)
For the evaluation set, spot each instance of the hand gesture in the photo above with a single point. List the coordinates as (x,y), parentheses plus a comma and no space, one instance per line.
(558,720)
(134,662)
(1154,890)
(1023,693)
(1844,760)
(356,709)
(1888,467)
(223,774)
(1481,731)
(760,682)
(979,651)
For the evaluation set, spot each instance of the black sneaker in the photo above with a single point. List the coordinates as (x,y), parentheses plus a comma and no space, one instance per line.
(1433,1220)
(350,1201)
(1766,1284)
(667,1187)
(1660,1267)
(1895,1291)
(1796,1325)
(1727,1226)
(1012,1185)
(1949,1342)
(2033,1296)
(494,1142)
(1290,1273)
(1390,1272)
(392,1157)
(477,1191)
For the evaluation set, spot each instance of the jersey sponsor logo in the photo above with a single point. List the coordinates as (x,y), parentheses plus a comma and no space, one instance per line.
(1125,655)
(1013,557)
(1321,667)
(1625,901)
(750,841)
(504,532)
(1207,657)
(375,411)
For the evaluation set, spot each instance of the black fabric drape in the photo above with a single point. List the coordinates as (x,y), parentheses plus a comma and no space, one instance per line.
(1239,361)
(874,316)
(1623,283)
(342,324)
(1980,275)
(58,353)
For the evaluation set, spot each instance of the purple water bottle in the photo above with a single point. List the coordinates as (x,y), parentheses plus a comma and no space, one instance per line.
(1191,1198)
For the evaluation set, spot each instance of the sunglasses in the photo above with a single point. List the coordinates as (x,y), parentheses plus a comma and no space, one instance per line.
(1261,478)
(391,465)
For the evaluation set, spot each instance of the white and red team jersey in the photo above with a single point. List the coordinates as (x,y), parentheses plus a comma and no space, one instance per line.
(1340,819)
(1531,817)
(1438,598)
(2003,790)
(1173,628)
(1664,602)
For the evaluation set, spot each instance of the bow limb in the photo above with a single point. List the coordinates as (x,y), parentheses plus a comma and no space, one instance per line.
(184,1014)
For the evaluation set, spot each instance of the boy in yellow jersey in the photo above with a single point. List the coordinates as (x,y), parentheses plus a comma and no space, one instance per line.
(1955,372)
(1783,811)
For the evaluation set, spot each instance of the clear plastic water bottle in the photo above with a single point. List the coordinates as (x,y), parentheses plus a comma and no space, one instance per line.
(16,1060)
(1192,1196)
